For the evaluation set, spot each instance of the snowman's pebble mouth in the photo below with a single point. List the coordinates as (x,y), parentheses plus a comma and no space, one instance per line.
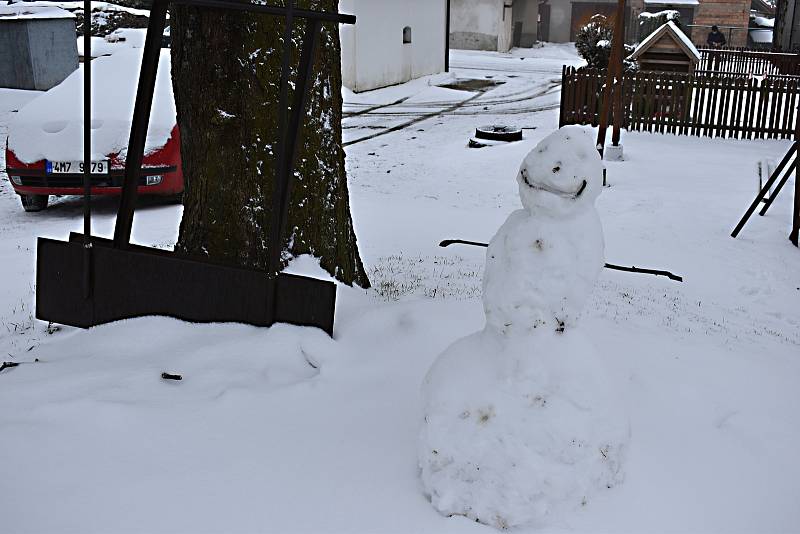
(553,190)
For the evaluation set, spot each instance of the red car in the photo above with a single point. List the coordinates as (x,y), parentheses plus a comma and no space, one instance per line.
(161,174)
(45,138)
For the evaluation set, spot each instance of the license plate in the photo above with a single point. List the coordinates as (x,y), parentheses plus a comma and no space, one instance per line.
(76,167)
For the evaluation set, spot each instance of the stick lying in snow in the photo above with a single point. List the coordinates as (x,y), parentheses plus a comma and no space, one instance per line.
(8,365)
(654,272)
(169,376)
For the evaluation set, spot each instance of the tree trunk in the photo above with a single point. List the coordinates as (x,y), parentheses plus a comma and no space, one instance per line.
(226,70)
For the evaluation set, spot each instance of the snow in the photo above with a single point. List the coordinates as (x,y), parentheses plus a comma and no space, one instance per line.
(764,22)
(706,369)
(671,14)
(521,421)
(26,11)
(115,41)
(96,6)
(51,128)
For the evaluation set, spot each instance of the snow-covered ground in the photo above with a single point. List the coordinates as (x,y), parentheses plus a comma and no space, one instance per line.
(285,430)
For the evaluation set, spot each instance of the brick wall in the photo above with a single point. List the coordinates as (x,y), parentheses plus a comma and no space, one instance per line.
(722,13)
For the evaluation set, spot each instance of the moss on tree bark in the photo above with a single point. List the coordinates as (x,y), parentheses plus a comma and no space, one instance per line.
(226,71)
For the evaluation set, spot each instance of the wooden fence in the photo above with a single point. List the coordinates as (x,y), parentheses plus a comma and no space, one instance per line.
(747,61)
(724,105)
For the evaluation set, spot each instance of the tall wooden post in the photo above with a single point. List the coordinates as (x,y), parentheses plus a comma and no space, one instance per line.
(793,236)
(613,71)
(619,41)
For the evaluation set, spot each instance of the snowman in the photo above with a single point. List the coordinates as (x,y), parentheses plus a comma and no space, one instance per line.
(522,423)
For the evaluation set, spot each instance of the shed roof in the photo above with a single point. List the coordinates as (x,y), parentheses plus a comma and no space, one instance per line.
(675,33)
(21,11)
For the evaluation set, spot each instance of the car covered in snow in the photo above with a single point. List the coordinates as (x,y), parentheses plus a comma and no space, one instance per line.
(44,150)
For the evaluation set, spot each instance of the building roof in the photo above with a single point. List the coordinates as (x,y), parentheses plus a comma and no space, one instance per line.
(21,11)
(677,35)
(676,3)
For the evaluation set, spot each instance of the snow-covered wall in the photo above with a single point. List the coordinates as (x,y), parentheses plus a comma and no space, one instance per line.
(375,52)
(481,25)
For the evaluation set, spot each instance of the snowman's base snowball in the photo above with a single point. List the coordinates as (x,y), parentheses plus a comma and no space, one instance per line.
(519,430)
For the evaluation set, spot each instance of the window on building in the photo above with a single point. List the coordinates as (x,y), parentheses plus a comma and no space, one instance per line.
(407,35)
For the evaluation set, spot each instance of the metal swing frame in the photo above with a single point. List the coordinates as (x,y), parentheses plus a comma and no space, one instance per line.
(88,281)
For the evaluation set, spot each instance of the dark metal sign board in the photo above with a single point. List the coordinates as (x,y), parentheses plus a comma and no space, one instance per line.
(141,281)
(88,281)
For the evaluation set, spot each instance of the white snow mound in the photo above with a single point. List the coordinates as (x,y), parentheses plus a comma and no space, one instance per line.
(518,430)
(521,420)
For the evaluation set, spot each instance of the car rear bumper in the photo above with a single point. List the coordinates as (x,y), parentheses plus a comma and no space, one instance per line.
(37,182)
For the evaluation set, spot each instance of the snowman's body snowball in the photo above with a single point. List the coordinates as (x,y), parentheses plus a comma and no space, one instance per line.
(540,270)
(521,419)
(517,433)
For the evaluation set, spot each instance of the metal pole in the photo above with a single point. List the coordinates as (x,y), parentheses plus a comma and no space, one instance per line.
(795,233)
(447,38)
(275,241)
(87,148)
(775,175)
(141,118)
(289,150)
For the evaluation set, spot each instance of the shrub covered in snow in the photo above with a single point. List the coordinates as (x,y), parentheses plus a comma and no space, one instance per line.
(593,42)
(650,22)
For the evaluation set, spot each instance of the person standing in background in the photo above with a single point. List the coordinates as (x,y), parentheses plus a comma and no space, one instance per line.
(716,39)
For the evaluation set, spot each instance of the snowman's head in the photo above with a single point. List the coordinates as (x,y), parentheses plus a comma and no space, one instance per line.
(563,174)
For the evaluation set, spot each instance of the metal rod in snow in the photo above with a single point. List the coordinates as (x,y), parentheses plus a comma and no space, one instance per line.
(613,267)
(87,145)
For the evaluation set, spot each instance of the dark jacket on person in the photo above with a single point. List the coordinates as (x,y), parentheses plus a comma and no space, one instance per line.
(716,39)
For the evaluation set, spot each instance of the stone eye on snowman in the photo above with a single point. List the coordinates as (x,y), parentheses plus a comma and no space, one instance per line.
(522,423)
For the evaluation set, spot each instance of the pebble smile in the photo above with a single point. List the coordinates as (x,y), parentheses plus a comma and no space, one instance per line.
(559,192)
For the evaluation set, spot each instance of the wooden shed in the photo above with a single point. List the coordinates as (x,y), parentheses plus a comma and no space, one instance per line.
(666,49)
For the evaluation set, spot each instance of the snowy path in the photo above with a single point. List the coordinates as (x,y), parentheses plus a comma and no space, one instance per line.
(256,439)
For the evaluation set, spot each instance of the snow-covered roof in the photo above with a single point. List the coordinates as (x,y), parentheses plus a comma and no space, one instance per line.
(51,125)
(74,5)
(669,28)
(26,11)
(764,22)
(672,2)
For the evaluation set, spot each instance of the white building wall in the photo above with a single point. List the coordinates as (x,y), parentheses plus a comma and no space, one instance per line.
(373,52)
(481,25)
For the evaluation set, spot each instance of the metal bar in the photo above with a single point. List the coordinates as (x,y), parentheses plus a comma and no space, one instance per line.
(87,148)
(447,38)
(239,5)
(777,190)
(280,204)
(764,190)
(275,244)
(141,119)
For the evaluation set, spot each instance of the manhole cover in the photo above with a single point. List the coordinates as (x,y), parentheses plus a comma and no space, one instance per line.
(472,85)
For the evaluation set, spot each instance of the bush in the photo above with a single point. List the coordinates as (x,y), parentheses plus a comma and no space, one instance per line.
(650,22)
(593,42)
